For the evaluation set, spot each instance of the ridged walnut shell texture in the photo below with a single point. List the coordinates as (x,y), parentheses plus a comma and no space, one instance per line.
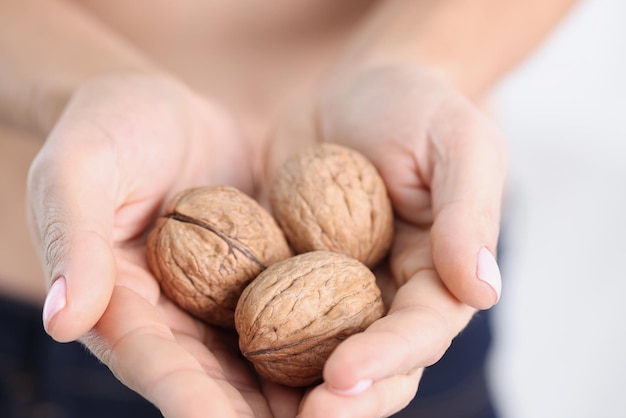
(294,314)
(329,197)
(208,246)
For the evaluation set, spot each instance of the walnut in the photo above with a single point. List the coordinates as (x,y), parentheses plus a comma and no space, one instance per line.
(294,314)
(329,197)
(208,246)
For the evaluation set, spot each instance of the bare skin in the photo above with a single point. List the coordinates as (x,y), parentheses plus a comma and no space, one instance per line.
(214,61)
(141,105)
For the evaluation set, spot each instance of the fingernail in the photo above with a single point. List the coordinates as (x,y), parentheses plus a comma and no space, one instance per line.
(55,301)
(488,271)
(360,387)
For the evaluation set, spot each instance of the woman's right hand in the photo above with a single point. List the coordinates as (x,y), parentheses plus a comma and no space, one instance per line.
(123,146)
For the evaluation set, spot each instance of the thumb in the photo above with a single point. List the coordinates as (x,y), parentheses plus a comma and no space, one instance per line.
(71,219)
(467,187)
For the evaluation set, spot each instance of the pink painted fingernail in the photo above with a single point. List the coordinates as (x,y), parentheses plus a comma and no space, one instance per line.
(488,271)
(360,387)
(55,301)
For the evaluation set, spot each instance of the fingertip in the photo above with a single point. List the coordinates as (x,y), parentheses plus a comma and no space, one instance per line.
(461,242)
(480,290)
(347,365)
(360,360)
(79,296)
(381,398)
(56,300)
(474,281)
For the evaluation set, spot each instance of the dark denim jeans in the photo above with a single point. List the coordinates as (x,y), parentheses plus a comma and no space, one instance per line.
(40,378)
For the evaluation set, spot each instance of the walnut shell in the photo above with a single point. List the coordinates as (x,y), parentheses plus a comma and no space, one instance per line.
(329,197)
(209,245)
(294,314)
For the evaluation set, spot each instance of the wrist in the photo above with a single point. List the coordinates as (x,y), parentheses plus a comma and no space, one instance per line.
(50,61)
(396,76)
(400,34)
(44,102)
(471,44)
(468,80)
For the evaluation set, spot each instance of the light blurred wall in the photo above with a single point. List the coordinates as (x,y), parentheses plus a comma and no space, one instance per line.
(561,323)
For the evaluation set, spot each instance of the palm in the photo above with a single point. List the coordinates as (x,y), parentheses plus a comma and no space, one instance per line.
(394,119)
(135,142)
(155,323)
(132,143)
(176,347)
(425,140)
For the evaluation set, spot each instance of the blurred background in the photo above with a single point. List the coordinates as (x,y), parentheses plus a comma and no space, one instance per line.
(561,322)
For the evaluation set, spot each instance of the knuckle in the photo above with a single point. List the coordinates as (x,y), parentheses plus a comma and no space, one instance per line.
(468,130)
(54,241)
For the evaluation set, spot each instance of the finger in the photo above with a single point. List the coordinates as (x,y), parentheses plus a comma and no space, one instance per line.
(419,327)
(468,174)
(223,363)
(446,164)
(283,401)
(140,349)
(71,208)
(381,399)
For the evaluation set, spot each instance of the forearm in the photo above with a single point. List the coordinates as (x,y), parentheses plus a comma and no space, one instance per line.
(470,42)
(47,49)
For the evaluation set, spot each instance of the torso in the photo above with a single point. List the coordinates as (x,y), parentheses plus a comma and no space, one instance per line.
(20,272)
(252,57)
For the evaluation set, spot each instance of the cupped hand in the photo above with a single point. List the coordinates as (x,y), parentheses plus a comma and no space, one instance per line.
(123,146)
(444,165)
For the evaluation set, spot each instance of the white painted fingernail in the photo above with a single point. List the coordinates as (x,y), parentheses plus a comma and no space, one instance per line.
(488,271)
(55,300)
(360,387)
